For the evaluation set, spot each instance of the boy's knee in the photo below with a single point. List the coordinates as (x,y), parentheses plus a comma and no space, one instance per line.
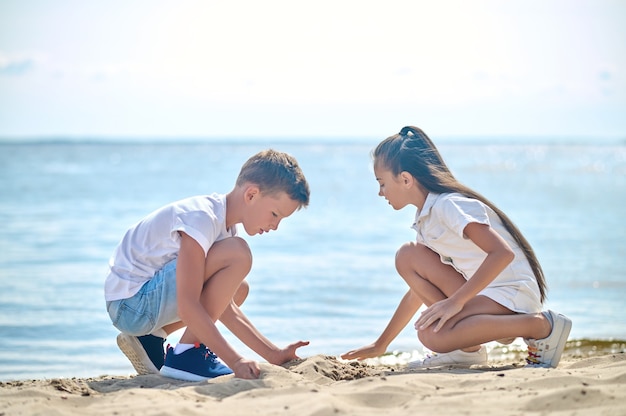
(244,254)
(239,246)
(233,250)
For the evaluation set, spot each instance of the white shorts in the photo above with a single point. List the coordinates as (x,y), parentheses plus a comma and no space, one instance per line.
(521,297)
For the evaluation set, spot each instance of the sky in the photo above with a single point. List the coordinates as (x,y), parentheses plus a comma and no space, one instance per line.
(354,68)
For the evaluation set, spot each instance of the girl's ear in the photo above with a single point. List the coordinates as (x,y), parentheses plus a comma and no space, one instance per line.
(406,179)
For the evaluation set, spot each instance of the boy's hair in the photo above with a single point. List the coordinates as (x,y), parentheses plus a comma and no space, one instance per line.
(274,172)
(412,151)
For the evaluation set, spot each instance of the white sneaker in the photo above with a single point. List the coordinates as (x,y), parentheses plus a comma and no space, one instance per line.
(456,358)
(547,352)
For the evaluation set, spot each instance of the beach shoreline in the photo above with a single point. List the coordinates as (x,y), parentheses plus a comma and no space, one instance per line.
(590,379)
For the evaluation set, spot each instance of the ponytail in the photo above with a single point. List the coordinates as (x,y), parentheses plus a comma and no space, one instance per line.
(412,151)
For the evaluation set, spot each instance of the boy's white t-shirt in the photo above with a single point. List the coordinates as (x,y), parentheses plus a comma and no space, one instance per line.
(155,240)
(439,226)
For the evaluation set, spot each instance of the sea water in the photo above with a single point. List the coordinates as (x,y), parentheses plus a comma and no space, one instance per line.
(326,276)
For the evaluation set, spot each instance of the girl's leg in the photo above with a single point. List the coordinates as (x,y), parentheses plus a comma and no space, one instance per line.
(433,281)
(227,264)
(484,320)
(426,275)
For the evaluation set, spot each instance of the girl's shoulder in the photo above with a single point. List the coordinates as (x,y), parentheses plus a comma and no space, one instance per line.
(459,204)
(454,198)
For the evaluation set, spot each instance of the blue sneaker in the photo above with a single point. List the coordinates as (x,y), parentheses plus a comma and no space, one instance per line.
(144,352)
(195,364)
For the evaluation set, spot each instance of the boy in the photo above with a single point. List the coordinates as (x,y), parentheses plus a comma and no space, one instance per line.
(184,266)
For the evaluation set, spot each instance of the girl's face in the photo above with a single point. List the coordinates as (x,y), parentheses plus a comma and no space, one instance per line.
(392,188)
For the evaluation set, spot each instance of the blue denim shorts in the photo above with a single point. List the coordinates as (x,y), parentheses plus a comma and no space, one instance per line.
(153,307)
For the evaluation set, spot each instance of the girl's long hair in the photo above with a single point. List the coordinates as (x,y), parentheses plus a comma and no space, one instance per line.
(412,151)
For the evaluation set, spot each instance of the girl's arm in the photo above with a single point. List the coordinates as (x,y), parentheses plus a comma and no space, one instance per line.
(499,255)
(237,322)
(407,308)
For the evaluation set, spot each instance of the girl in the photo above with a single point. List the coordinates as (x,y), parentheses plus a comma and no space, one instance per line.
(470,266)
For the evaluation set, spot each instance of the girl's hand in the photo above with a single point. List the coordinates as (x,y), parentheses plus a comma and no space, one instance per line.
(440,311)
(246,369)
(288,353)
(368,351)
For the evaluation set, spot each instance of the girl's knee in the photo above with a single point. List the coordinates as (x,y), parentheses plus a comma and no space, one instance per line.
(432,341)
(403,255)
(409,255)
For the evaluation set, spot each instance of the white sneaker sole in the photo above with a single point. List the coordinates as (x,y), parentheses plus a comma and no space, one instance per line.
(180,374)
(133,350)
(454,359)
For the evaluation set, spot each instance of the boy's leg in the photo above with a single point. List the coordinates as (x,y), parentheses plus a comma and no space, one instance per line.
(145,352)
(242,293)
(146,319)
(228,263)
(196,362)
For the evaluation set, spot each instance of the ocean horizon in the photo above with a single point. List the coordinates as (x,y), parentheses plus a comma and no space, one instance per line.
(601,140)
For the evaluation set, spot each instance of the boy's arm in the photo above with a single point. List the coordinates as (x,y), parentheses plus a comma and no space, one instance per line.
(200,321)
(237,322)
(407,308)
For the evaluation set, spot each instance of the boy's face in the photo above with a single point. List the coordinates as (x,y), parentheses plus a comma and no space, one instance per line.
(264,212)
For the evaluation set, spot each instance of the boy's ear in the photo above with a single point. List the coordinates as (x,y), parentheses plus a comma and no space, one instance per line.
(251,192)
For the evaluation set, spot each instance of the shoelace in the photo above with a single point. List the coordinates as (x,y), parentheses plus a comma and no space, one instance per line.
(533,356)
(430,356)
(210,355)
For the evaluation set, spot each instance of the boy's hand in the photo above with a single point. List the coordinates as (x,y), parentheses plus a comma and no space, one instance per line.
(368,351)
(247,369)
(288,353)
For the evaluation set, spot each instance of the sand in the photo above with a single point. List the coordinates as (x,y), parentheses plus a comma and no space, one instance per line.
(585,383)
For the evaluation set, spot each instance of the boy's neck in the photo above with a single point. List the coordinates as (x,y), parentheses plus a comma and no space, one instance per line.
(234,201)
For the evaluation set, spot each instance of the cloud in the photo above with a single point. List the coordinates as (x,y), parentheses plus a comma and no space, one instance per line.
(339,61)
(17,65)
